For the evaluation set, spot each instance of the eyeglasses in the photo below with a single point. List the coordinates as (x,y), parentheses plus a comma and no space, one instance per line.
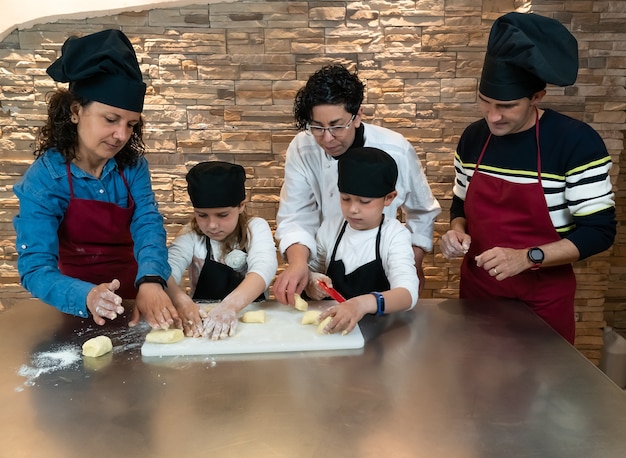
(335,131)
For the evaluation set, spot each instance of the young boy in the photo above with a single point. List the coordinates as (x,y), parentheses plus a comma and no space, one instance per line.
(366,257)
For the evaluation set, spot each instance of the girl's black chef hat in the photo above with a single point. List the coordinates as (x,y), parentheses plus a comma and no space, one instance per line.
(366,172)
(216,184)
(101,67)
(524,52)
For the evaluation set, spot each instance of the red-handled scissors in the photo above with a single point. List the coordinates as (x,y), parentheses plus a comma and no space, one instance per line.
(332,292)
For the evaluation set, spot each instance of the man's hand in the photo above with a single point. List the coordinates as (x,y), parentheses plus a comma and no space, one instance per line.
(455,244)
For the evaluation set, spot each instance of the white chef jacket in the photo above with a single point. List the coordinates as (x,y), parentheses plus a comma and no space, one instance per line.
(310,194)
(357,248)
(188,250)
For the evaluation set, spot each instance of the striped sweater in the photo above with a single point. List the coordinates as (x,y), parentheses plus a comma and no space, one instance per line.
(574,175)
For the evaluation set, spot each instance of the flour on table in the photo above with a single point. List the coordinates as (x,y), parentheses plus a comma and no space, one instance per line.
(49,361)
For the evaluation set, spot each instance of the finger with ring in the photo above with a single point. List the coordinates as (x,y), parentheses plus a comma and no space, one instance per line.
(495,271)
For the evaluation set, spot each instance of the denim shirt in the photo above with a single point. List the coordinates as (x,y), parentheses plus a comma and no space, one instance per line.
(44,195)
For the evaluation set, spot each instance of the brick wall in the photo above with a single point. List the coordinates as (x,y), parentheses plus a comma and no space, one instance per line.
(222,77)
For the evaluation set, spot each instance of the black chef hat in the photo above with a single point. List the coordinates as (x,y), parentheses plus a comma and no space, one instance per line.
(101,67)
(216,184)
(524,52)
(367,172)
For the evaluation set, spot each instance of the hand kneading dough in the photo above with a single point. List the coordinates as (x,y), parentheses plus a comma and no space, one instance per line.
(320,328)
(165,336)
(257,316)
(97,346)
(301,304)
(310,317)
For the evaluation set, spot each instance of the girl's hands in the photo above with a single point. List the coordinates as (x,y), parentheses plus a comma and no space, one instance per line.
(220,322)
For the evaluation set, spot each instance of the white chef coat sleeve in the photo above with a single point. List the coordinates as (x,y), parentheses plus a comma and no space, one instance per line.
(261,250)
(397,257)
(299,214)
(420,206)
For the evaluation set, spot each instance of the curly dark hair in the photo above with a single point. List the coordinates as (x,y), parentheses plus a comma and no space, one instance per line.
(61,133)
(332,85)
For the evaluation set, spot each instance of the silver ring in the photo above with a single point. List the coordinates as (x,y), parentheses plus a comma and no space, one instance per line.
(98,310)
(495,271)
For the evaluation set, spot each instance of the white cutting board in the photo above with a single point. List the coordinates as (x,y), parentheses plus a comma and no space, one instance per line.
(281,332)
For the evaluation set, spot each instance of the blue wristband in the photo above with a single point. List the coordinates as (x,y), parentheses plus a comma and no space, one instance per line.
(380,303)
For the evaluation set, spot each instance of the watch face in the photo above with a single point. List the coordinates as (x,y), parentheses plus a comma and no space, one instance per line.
(535,255)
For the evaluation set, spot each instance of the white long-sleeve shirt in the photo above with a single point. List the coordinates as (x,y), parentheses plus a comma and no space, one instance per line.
(310,195)
(357,248)
(188,250)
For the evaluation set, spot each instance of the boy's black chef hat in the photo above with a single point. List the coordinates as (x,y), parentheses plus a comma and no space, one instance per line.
(216,184)
(101,67)
(366,172)
(524,52)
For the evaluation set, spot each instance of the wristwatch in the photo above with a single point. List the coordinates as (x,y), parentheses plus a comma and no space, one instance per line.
(535,255)
(380,303)
(151,279)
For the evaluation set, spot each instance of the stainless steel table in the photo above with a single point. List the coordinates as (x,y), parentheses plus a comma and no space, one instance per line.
(449,379)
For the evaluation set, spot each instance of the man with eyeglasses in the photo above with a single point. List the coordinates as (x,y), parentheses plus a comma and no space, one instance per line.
(328,112)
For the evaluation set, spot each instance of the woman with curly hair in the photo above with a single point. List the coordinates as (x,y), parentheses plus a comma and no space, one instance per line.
(89,233)
(329,114)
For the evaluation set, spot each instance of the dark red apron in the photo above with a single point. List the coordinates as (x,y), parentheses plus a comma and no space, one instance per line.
(95,243)
(512,215)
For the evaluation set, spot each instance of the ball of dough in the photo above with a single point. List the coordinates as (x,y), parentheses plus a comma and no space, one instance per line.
(310,317)
(97,346)
(257,316)
(301,304)
(165,336)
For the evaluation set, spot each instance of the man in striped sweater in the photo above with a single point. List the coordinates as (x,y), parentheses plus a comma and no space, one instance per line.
(532,192)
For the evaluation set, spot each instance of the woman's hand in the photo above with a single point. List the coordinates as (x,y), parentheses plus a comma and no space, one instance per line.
(102,302)
(314,290)
(155,306)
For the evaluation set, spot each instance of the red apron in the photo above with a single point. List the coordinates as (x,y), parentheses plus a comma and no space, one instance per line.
(95,243)
(512,215)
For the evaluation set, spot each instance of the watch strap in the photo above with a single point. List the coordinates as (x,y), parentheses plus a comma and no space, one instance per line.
(380,303)
(151,279)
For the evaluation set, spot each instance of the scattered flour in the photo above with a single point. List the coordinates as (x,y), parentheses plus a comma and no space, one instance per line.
(49,361)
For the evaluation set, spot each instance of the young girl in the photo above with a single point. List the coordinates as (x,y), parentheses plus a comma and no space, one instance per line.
(368,258)
(230,257)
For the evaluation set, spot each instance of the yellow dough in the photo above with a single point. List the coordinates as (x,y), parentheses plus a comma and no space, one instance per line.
(320,328)
(301,304)
(97,346)
(257,316)
(310,317)
(165,336)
